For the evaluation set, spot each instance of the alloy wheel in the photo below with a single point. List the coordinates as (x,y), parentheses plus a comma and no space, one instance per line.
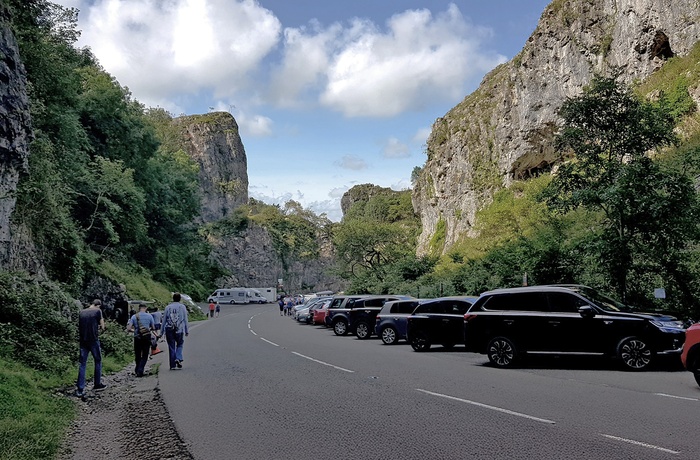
(635,354)
(389,336)
(501,352)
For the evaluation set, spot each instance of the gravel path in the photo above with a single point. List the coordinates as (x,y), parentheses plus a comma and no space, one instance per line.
(115,422)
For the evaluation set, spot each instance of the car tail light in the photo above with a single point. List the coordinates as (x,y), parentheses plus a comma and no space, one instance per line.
(468,317)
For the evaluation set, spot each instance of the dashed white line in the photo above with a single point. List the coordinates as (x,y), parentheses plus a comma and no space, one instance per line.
(321,362)
(641,444)
(265,340)
(486,406)
(676,397)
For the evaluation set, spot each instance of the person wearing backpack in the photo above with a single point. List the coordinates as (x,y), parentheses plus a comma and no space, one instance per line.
(175,328)
(142,324)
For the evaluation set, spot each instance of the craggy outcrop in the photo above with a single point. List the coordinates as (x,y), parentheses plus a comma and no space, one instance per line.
(253,262)
(503,131)
(212,140)
(15,131)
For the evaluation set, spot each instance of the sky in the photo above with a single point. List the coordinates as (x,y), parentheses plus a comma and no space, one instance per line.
(327,94)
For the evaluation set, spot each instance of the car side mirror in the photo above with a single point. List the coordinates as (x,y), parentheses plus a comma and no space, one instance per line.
(586,311)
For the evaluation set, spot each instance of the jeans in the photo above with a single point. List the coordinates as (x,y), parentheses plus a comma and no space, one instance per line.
(175,341)
(142,347)
(87,349)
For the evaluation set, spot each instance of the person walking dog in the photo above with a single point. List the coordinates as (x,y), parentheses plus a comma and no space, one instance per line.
(175,328)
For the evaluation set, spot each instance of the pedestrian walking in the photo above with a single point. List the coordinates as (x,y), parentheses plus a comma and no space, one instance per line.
(280,302)
(90,323)
(218,309)
(175,328)
(158,319)
(143,327)
(211,309)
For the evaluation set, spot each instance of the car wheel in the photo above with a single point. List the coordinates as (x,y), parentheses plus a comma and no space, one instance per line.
(232,302)
(501,352)
(634,353)
(340,327)
(389,336)
(362,330)
(420,342)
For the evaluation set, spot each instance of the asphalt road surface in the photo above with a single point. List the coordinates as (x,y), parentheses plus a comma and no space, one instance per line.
(257,385)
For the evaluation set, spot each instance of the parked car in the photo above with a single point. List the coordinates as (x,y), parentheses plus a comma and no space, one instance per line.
(438,321)
(339,303)
(305,314)
(691,351)
(321,313)
(358,317)
(506,324)
(390,323)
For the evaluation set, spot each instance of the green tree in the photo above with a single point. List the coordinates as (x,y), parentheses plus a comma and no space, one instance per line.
(648,212)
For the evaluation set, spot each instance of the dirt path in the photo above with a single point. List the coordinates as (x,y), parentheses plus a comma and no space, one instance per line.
(128,420)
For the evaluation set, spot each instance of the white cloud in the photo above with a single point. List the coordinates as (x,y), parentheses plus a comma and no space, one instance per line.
(352,162)
(393,148)
(338,192)
(421,136)
(306,57)
(163,49)
(419,59)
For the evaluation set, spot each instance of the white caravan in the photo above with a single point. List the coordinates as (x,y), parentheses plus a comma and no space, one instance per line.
(230,295)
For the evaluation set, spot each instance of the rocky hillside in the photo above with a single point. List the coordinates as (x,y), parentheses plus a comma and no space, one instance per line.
(212,140)
(14,131)
(503,131)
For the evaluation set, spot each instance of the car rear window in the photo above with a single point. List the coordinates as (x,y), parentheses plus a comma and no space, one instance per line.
(403,307)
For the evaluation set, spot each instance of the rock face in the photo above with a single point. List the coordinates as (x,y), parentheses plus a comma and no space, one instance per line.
(503,131)
(359,193)
(212,140)
(15,131)
(253,262)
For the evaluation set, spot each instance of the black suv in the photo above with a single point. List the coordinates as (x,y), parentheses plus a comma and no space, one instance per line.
(438,321)
(506,323)
(358,315)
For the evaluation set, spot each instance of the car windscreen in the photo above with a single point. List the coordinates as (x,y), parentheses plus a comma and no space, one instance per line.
(600,300)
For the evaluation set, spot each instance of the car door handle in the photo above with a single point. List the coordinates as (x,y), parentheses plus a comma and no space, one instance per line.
(508,322)
(554,323)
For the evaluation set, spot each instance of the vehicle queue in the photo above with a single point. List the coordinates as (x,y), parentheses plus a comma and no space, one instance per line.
(509,325)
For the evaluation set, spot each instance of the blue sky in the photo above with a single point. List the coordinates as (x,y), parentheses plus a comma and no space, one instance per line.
(327,94)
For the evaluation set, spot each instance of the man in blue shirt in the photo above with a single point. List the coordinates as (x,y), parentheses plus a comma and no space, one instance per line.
(142,324)
(175,328)
(90,323)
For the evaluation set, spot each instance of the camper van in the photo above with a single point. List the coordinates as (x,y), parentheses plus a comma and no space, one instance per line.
(231,295)
(263,295)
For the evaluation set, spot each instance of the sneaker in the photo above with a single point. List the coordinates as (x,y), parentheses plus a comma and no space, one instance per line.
(79,393)
(178,363)
(99,387)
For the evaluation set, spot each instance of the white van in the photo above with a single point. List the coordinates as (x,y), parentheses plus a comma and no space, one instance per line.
(231,295)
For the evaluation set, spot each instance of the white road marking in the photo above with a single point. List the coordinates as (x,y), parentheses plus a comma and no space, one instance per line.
(265,340)
(486,406)
(321,362)
(641,444)
(676,397)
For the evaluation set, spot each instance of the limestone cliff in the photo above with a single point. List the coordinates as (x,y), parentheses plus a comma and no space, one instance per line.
(503,131)
(15,132)
(212,140)
(252,261)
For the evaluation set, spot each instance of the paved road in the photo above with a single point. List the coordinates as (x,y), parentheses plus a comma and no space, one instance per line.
(256,385)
